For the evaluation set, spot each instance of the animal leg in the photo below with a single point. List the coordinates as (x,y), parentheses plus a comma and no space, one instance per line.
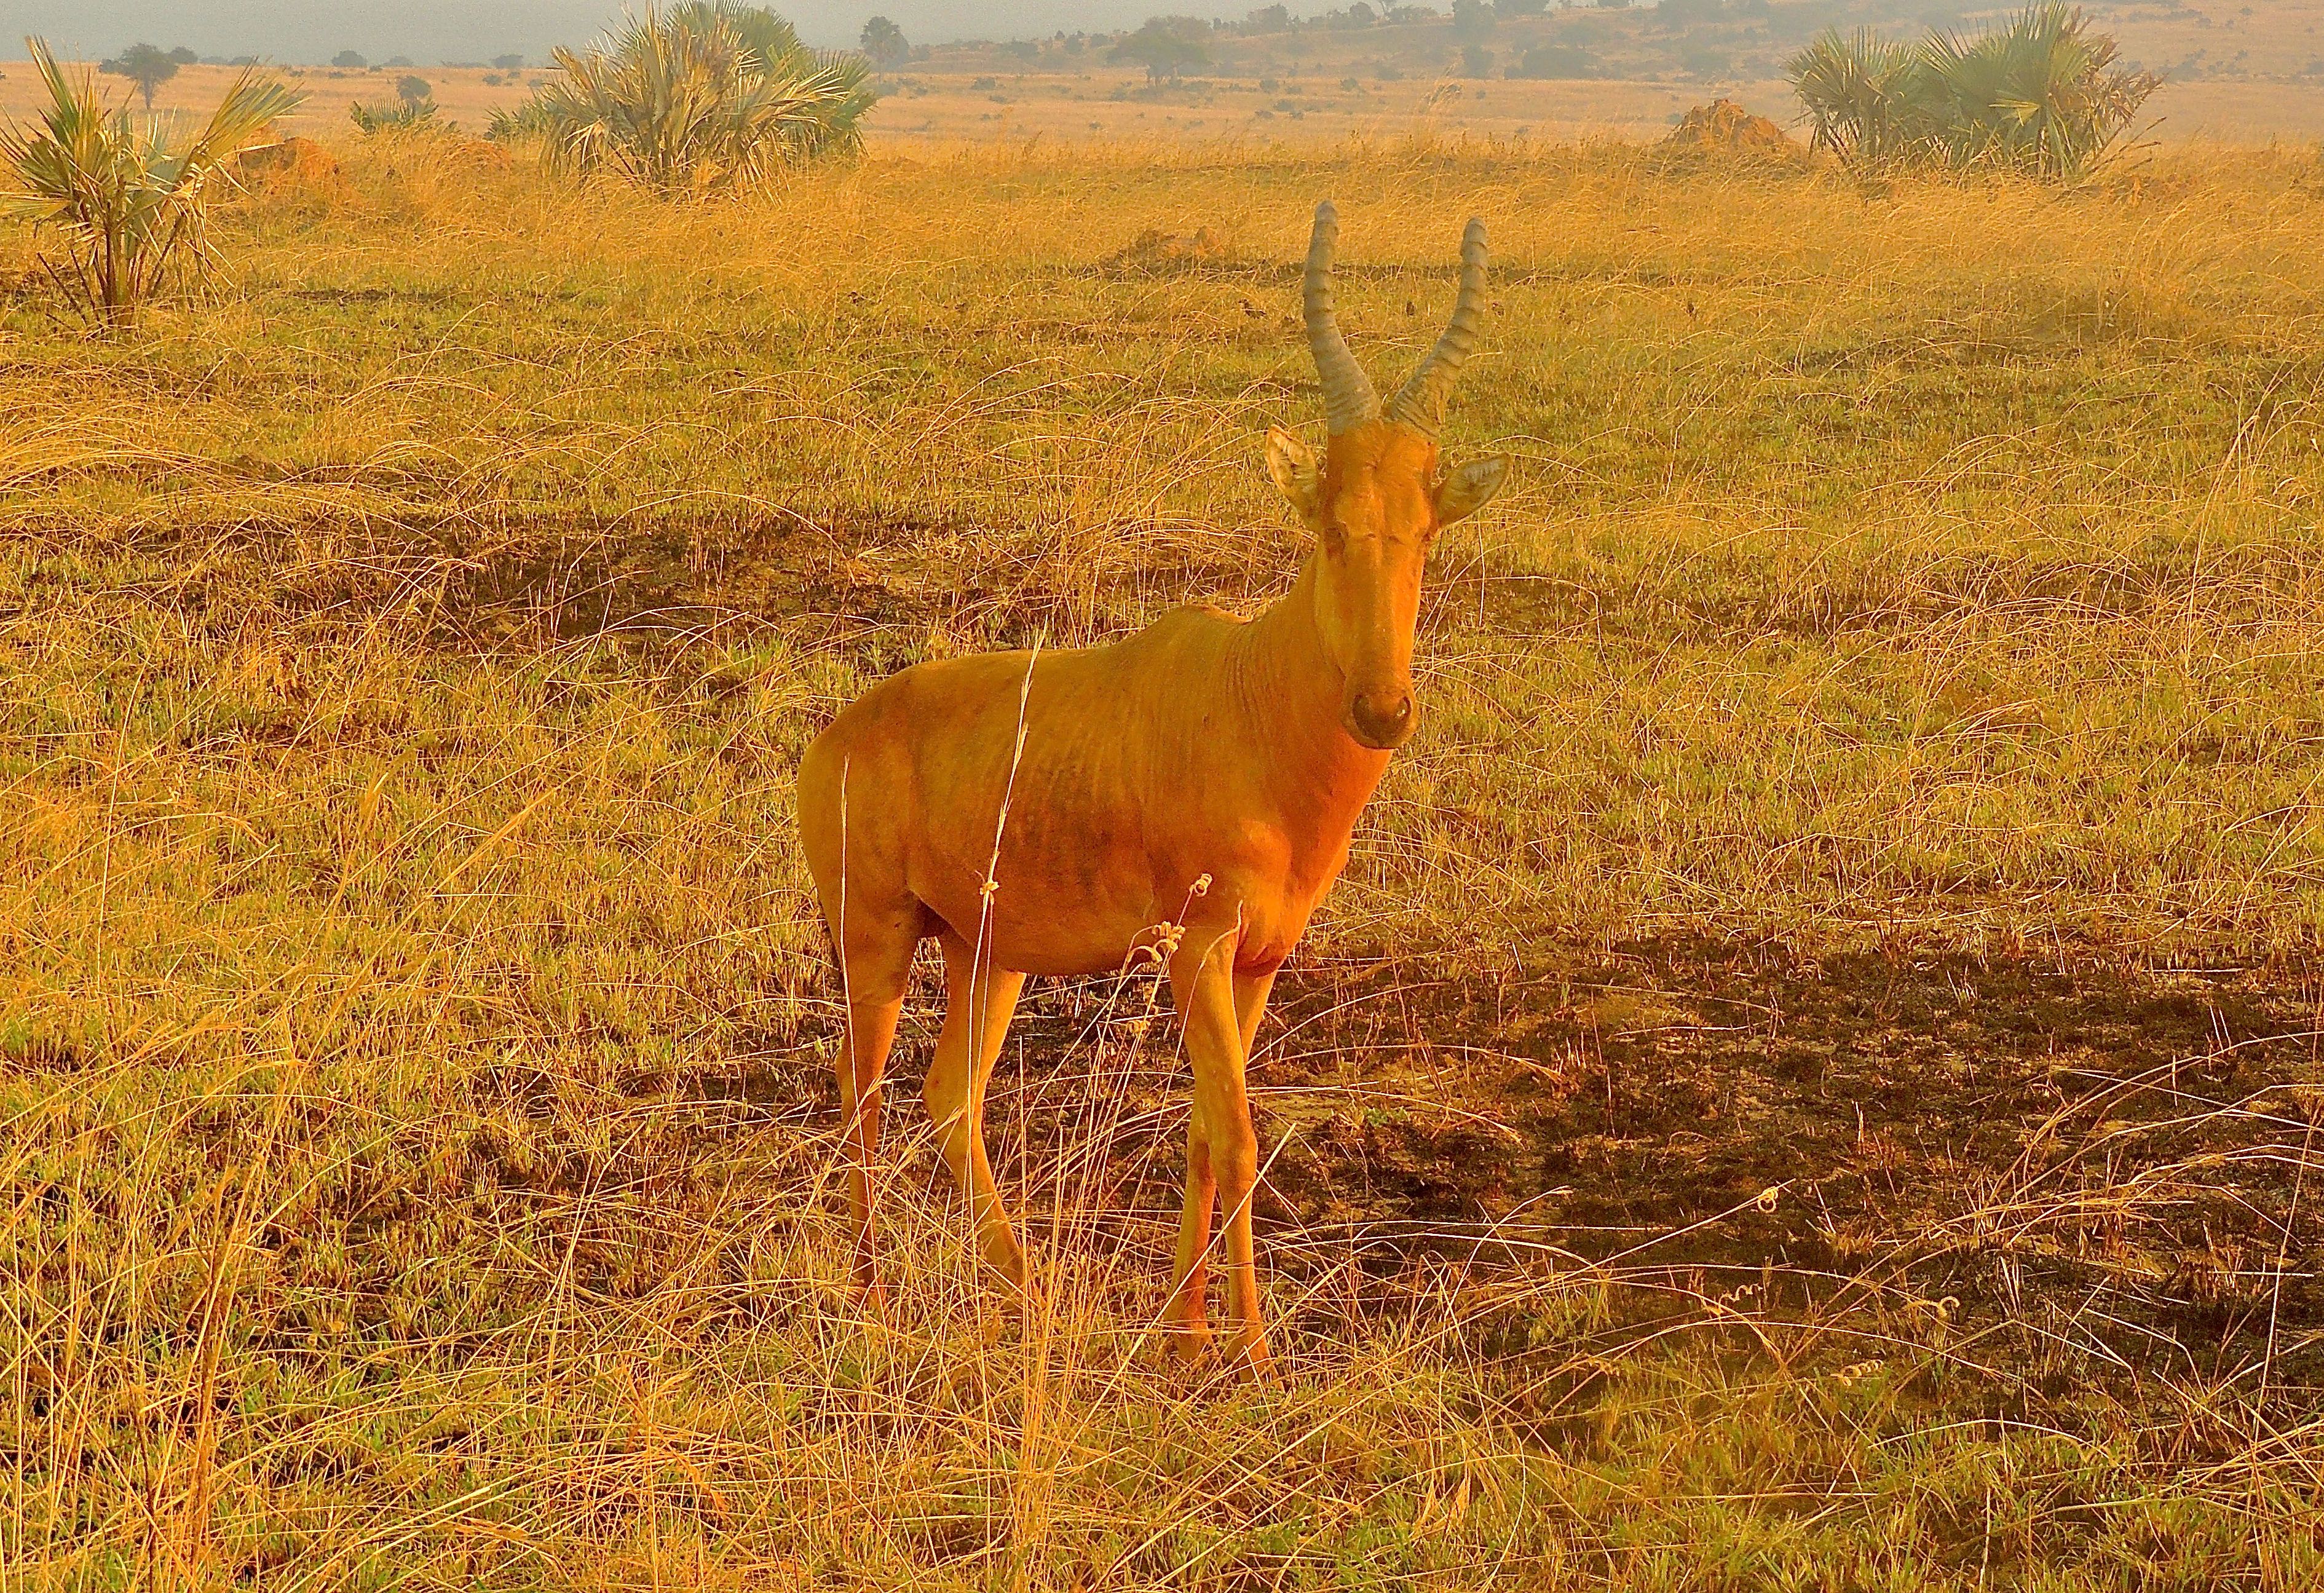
(979,1001)
(1250,993)
(1205,983)
(875,960)
(1190,1273)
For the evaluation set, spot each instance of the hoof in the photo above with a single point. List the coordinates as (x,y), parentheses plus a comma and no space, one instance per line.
(1184,1345)
(1250,1359)
(1006,1277)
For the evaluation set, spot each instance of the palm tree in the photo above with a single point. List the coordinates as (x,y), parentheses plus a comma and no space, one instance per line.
(127,199)
(1858,90)
(2040,94)
(709,95)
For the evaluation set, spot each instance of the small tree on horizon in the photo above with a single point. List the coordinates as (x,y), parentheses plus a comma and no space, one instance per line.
(149,66)
(413,89)
(350,59)
(885,42)
(1165,46)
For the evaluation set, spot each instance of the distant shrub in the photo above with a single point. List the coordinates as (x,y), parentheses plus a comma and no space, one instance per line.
(710,96)
(407,115)
(349,60)
(2040,94)
(1554,60)
(1166,47)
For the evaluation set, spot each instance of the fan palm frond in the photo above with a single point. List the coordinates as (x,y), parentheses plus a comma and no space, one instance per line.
(708,97)
(2040,94)
(125,197)
(409,116)
(1858,88)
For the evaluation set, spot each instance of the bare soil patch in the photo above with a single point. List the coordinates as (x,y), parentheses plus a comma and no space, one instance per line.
(2110,1148)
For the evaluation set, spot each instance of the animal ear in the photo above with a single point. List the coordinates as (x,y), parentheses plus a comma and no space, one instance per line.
(1292,466)
(1469,487)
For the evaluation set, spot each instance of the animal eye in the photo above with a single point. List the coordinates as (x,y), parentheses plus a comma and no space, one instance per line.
(1335,540)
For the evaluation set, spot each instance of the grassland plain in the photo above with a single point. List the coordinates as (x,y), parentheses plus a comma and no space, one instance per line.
(1809,1081)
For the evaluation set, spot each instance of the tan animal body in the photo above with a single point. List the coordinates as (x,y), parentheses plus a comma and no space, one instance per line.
(1190,790)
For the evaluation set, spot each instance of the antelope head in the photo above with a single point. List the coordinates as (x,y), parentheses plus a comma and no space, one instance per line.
(1381,494)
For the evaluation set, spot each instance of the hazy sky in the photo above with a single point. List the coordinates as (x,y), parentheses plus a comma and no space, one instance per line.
(432,30)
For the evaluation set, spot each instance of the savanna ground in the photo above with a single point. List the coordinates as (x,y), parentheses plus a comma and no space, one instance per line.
(1810,1080)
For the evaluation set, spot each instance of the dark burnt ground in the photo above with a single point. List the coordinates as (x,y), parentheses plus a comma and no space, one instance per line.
(2112,1162)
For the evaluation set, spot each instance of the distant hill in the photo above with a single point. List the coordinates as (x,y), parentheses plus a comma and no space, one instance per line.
(433,30)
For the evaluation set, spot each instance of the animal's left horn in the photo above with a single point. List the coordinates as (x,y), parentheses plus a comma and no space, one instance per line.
(1421,402)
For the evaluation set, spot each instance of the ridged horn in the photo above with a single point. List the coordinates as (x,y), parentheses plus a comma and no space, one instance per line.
(1420,402)
(1349,400)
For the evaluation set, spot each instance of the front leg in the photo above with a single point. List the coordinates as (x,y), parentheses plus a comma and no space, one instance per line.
(1221,1148)
(1190,1275)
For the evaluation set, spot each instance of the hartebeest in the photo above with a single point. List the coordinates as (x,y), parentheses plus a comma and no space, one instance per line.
(1191,791)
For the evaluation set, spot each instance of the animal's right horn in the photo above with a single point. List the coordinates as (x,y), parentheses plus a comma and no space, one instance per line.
(1421,402)
(1349,400)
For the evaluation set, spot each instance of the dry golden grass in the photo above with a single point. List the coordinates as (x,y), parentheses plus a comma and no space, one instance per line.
(414,1034)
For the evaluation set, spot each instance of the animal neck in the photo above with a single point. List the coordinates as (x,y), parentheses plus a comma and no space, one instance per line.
(1291,695)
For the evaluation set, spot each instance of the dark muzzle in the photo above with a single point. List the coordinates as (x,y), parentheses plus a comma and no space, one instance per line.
(1381,719)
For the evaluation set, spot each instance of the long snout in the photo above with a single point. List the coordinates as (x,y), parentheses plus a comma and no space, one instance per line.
(1380,716)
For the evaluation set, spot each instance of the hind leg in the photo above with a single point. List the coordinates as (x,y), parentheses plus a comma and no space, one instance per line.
(875,960)
(979,1001)
(876,923)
